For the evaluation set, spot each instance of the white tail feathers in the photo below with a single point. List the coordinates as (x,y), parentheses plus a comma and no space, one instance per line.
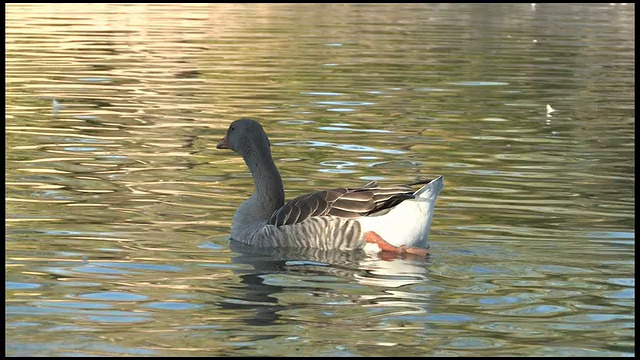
(431,190)
(409,222)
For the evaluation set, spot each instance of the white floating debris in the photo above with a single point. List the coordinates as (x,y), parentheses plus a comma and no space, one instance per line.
(535,41)
(56,106)
(550,109)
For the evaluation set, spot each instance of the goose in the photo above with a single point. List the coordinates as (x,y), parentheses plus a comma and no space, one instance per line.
(371,218)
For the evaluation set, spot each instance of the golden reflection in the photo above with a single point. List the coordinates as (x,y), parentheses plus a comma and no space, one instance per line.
(113,239)
(87,205)
(44,171)
(53,159)
(95,191)
(9,220)
(35,185)
(96,128)
(33,258)
(66,134)
(34,294)
(33,128)
(48,201)
(96,165)
(34,147)
(128,169)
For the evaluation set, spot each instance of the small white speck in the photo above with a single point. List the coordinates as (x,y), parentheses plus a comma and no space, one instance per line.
(550,109)
(56,106)
(535,41)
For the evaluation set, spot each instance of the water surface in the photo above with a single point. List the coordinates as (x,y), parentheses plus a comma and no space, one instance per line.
(119,206)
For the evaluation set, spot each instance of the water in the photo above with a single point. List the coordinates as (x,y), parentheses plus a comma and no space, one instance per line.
(119,206)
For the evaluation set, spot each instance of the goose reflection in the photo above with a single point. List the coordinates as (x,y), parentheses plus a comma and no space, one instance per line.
(383,276)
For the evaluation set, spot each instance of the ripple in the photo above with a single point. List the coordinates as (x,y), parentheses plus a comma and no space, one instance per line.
(620,294)
(367,149)
(345,103)
(322,93)
(397,164)
(480,83)
(337,163)
(430,89)
(73,304)
(499,300)
(535,311)
(129,319)
(341,109)
(171,305)
(113,296)
(94,79)
(349,147)
(337,171)
(631,282)
(335,128)
(449,318)
(12,285)
(296,122)
(474,343)
(139,266)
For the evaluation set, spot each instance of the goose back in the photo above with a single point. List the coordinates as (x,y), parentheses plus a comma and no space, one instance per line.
(342,203)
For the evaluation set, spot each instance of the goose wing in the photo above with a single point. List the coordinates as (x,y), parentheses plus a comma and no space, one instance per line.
(343,202)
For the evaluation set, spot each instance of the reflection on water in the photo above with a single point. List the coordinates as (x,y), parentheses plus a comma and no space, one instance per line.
(119,207)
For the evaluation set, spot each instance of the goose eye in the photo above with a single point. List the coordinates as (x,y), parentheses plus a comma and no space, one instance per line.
(232,128)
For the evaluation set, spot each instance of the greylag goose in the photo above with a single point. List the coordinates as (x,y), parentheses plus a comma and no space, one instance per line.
(372,217)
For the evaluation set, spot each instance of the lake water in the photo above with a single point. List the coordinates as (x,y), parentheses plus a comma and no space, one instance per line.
(118,206)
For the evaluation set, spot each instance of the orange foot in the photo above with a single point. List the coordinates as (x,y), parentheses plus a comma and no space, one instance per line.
(373,237)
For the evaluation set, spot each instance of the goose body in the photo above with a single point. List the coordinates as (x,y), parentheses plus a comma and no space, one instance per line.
(370,217)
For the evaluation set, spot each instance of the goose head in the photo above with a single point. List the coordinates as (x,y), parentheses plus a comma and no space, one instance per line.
(245,136)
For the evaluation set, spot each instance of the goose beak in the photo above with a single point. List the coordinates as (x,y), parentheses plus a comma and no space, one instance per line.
(223,144)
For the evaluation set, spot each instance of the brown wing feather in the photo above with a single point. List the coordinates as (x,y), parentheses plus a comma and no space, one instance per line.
(343,202)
